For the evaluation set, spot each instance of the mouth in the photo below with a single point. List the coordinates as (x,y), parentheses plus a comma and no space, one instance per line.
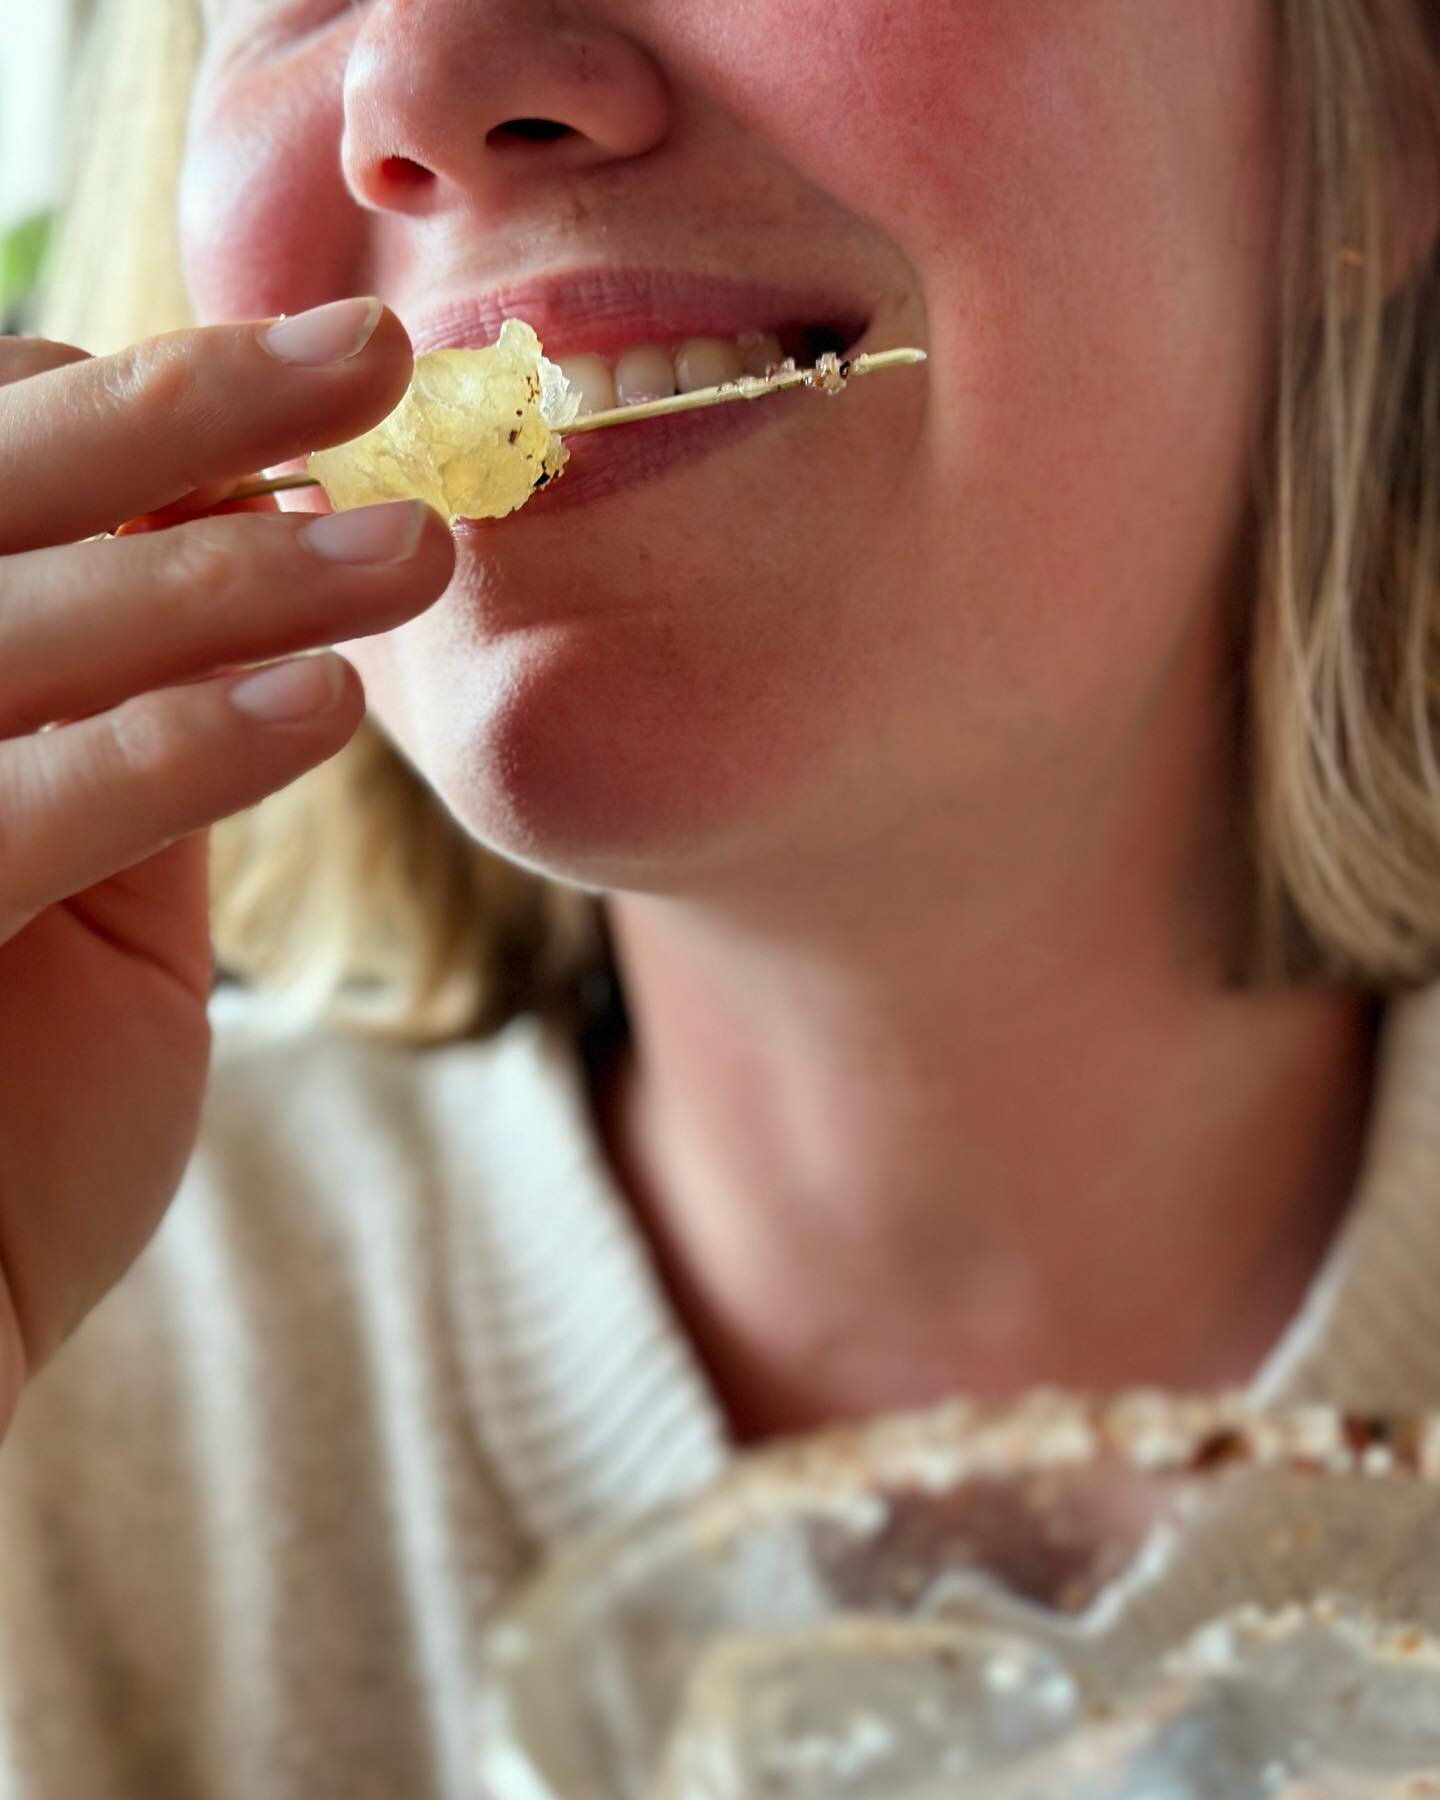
(624,336)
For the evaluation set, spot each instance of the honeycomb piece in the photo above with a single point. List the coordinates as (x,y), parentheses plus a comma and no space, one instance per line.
(475,435)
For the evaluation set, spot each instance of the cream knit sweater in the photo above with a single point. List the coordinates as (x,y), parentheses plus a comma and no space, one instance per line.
(394,1339)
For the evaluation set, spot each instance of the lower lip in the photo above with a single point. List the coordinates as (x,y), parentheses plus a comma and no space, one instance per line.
(611,461)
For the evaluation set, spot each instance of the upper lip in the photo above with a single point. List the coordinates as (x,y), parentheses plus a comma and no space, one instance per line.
(606,310)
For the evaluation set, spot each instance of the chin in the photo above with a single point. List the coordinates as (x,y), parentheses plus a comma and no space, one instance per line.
(633,754)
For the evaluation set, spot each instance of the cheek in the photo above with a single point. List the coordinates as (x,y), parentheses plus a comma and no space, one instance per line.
(1008,140)
(1086,189)
(907,111)
(264,223)
(1074,183)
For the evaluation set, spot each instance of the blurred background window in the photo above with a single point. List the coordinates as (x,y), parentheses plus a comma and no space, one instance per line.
(38,40)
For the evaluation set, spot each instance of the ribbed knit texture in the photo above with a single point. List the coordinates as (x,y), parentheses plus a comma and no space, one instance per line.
(396,1337)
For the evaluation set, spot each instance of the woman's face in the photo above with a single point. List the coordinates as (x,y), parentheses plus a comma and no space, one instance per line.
(950,593)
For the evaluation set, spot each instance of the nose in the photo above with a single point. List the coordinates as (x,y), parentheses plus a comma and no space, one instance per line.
(478,101)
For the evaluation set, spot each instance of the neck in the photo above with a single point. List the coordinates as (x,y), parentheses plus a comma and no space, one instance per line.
(927,1142)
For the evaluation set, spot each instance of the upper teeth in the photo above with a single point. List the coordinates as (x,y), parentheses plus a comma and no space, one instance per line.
(655,371)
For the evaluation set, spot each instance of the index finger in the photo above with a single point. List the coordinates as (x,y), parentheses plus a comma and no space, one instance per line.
(91,444)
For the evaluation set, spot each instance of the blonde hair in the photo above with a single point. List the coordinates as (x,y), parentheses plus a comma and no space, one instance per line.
(357,894)
(1345,667)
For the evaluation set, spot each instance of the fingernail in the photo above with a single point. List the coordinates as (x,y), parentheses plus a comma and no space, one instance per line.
(327,334)
(389,533)
(286,692)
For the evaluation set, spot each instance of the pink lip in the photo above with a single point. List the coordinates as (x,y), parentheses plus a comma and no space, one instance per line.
(606,310)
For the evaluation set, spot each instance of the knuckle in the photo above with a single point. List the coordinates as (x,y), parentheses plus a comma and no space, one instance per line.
(154,378)
(143,740)
(198,568)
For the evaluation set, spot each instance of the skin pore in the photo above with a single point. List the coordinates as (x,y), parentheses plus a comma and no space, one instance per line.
(901,733)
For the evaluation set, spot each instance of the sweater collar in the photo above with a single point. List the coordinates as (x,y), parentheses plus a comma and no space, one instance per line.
(591,1401)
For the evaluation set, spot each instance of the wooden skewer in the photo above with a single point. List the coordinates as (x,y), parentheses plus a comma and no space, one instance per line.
(830,375)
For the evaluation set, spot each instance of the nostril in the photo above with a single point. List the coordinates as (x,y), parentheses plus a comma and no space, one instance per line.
(529,131)
(400,171)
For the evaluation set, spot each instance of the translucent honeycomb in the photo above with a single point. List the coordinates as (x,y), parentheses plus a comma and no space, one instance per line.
(476,434)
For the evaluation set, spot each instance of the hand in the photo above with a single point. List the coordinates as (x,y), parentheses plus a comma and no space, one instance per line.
(105,955)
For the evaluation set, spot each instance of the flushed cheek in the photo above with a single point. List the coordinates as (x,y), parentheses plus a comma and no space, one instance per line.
(265,226)
(896,109)
(999,140)
(1086,190)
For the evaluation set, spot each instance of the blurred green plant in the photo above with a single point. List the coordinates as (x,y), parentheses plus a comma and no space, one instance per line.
(22,256)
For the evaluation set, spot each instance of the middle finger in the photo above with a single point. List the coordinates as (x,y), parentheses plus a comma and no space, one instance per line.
(85,626)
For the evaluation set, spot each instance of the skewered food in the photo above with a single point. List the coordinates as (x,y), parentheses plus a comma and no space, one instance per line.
(476,434)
